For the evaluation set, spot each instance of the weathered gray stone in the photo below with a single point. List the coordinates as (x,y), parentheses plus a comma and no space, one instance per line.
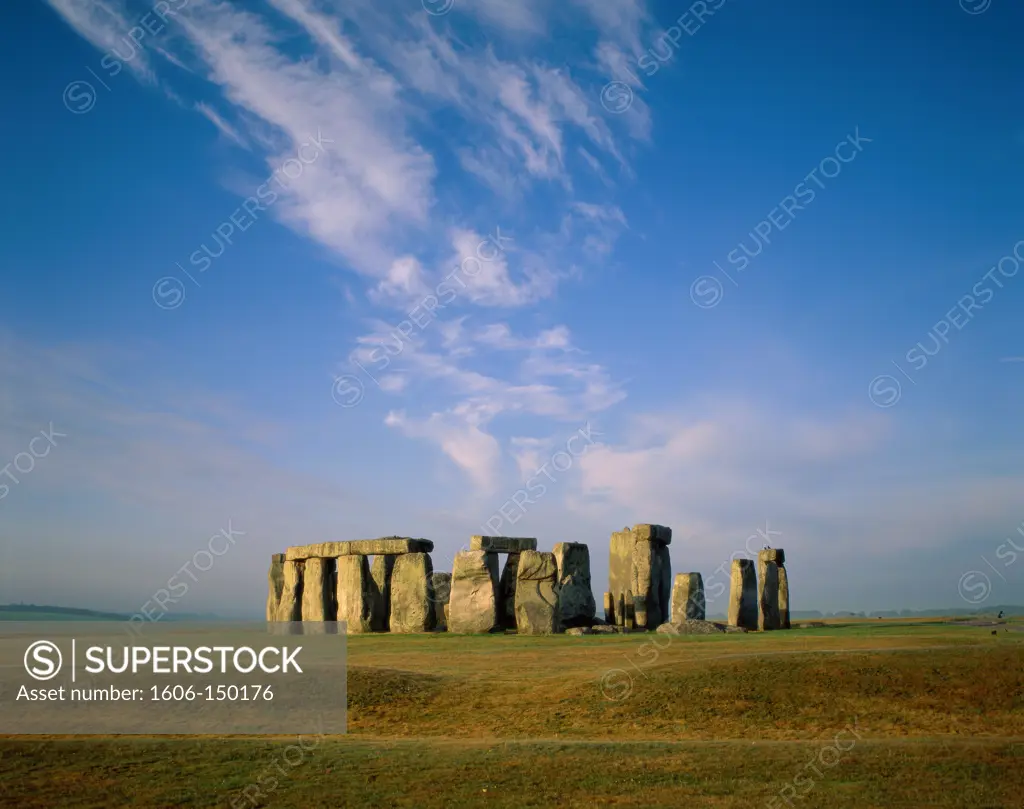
(579,630)
(639,563)
(743,594)
(442,584)
(688,602)
(604,630)
(472,607)
(360,547)
(317,595)
(648,563)
(381,572)
(691,627)
(609,609)
(777,555)
(768,597)
(537,611)
(664,581)
(630,610)
(412,597)
(575,596)
(275,585)
(355,594)
(507,592)
(620,610)
(783,598)
(502,544)
(289,608)
(646,532)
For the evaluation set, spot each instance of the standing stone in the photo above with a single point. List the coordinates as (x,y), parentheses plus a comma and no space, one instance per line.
(412,596)
(507,592)
(688,598)
(665,581)
(743,594)
(783,597)
(575,596)
(289,608)
(620,570)
(639,563)
(355,594)
(442,584)
(472,607)
(537,610)
(275,585)
(381,573)
(630,613)
(609,610)
(318,595)
(767,594)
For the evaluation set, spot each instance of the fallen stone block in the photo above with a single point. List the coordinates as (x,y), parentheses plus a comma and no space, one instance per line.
(537,610)
(472,607)
(412,597)
(691,627)
(577,631)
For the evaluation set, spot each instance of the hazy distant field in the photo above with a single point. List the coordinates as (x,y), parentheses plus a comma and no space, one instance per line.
(927,715)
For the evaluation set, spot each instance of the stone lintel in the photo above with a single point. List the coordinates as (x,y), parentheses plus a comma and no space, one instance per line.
(502,544)
(645,532)
(777,555)
(360,547)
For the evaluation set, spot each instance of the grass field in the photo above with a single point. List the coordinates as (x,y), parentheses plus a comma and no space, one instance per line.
(863,714)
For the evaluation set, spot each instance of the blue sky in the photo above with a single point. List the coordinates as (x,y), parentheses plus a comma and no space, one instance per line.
(589,176)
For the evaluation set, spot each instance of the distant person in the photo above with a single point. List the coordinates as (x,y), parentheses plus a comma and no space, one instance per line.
(1000,613)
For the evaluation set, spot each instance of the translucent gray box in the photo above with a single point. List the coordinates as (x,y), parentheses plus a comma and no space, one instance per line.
(110,677)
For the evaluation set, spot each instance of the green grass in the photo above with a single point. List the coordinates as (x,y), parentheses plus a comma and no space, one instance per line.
(504,721)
